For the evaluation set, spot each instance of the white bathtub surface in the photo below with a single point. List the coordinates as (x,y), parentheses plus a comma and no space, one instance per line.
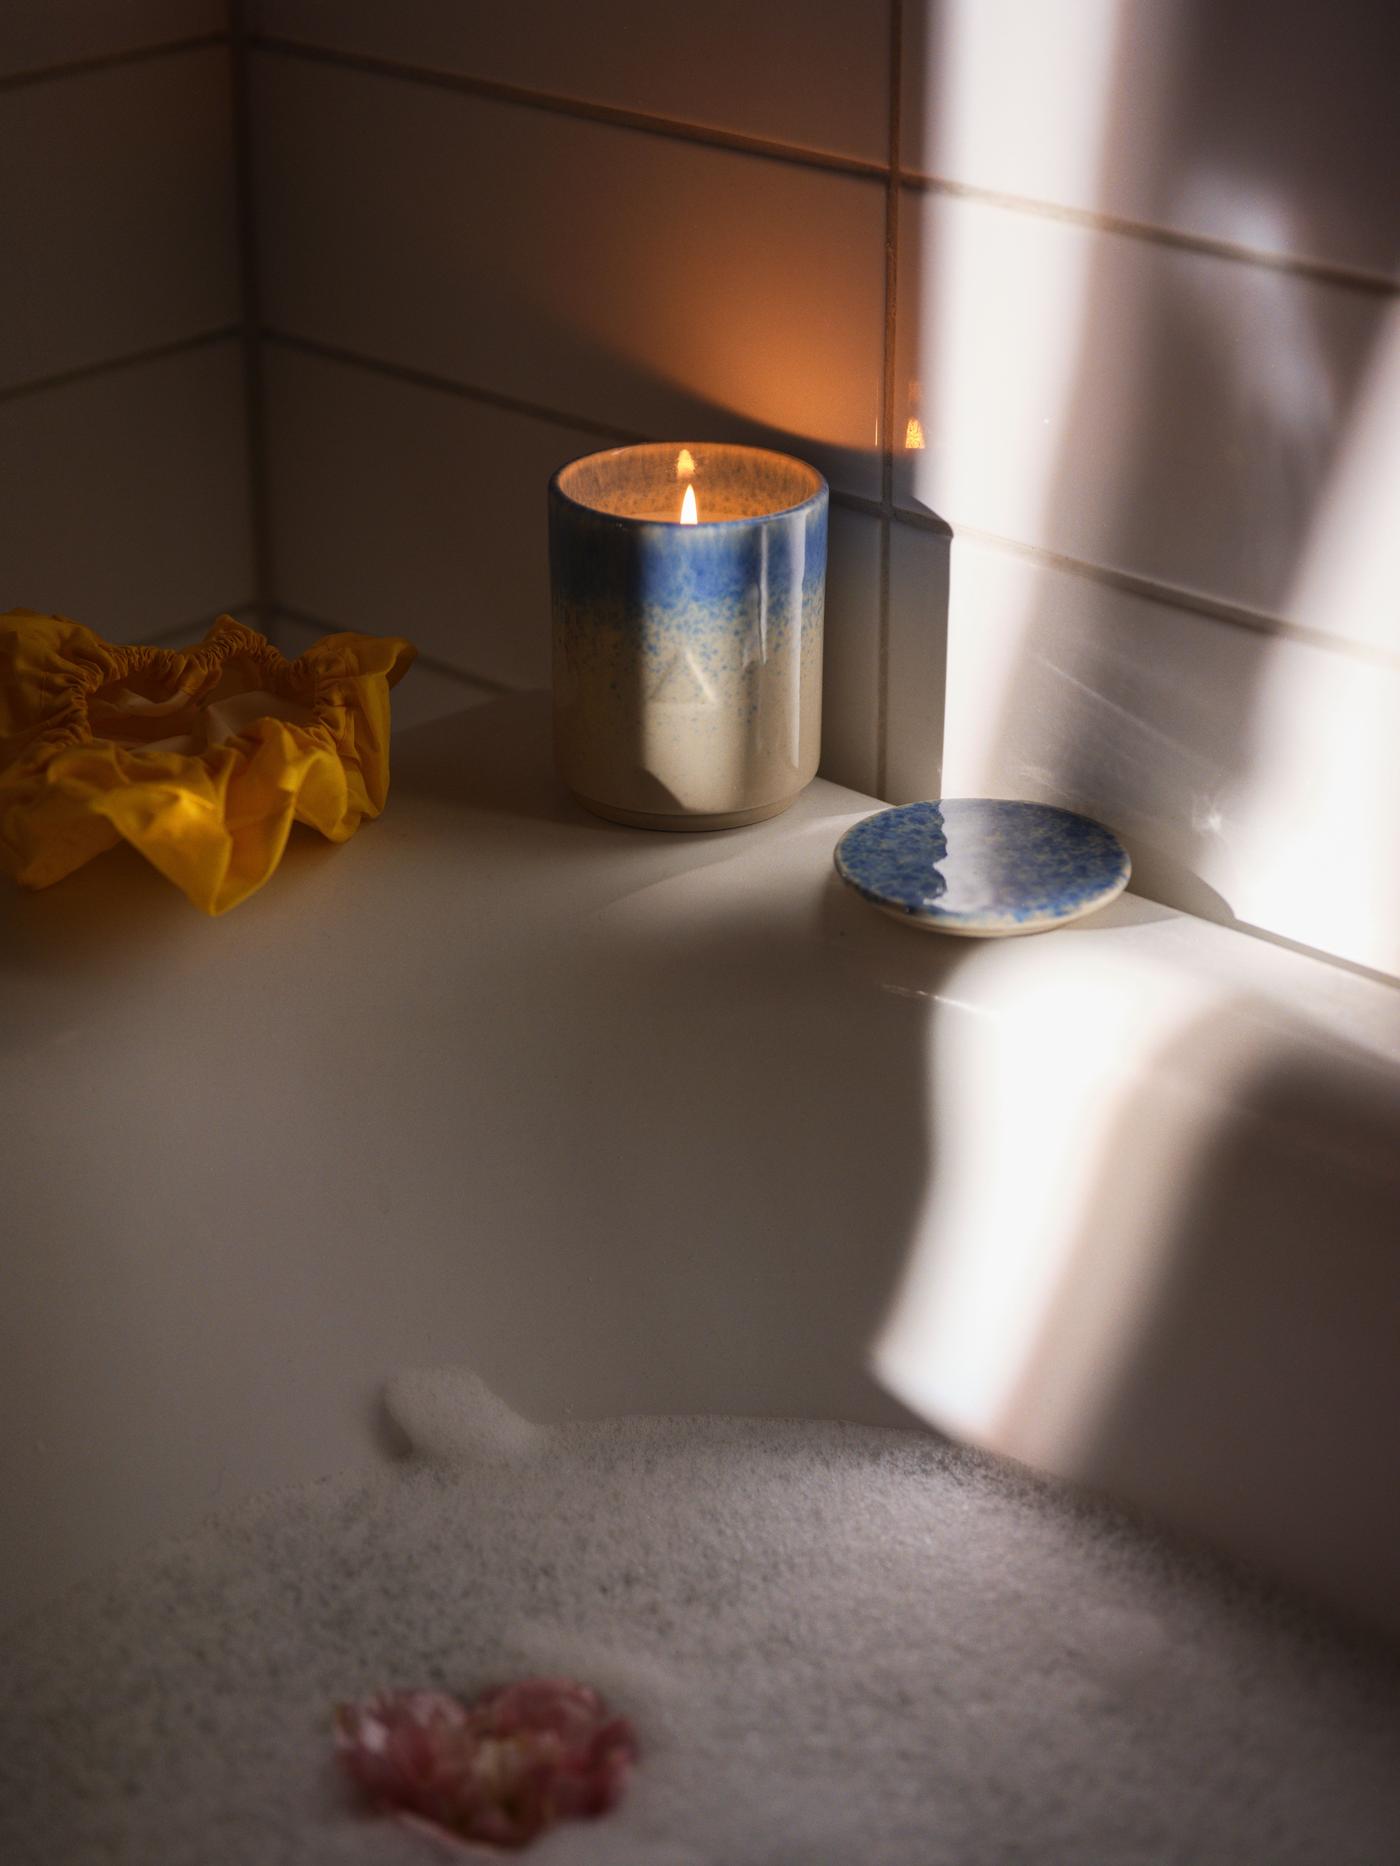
(835,1644)
(629,1122)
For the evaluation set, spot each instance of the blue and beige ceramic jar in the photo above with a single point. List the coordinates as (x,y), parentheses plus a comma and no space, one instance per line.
(688,588)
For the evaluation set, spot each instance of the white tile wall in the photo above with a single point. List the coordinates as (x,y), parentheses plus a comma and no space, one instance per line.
(1254,776)
(1265,123)
(116,213)
(1169,413)
(405,510)
(191,633)
(125,488)
(125,495)
(659,286)
(810,72)
(38,33)
(424,694)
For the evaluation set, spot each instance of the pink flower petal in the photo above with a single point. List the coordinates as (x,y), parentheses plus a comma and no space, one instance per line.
(498,1772)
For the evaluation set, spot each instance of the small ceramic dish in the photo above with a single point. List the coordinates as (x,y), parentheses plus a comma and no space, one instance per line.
(983,867)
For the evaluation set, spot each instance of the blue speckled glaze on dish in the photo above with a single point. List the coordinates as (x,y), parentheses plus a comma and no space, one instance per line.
(687,658)
(982,866)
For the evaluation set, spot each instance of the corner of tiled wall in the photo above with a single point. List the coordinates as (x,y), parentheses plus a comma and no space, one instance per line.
(123,464)
(543,230)
(1083,335)
(1101,358)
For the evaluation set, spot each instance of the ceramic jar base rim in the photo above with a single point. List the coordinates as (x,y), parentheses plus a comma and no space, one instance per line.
(649,819)
(1017,931)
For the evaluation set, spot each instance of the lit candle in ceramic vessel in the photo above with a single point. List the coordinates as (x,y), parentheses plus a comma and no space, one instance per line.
(688,593)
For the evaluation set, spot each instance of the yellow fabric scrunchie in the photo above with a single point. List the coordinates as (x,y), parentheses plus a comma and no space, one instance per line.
(201,758)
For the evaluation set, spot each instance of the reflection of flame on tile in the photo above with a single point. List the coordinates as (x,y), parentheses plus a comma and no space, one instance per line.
(680,683)
(914,435)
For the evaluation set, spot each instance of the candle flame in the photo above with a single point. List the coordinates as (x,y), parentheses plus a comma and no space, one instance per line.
(914,434)
(689,515)
(685,463)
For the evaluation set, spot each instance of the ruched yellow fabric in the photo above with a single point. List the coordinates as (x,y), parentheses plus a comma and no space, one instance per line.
(201,758)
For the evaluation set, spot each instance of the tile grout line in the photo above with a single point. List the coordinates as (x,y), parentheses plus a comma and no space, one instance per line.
(111,365)
(887,401)
(110,61)
(1166,594)
(534,411)
(304,618)
(1357,278)
(254,398)
(857,502)
(447,385)
(436,666)
(1324,271)
(495,90)
(204,622)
